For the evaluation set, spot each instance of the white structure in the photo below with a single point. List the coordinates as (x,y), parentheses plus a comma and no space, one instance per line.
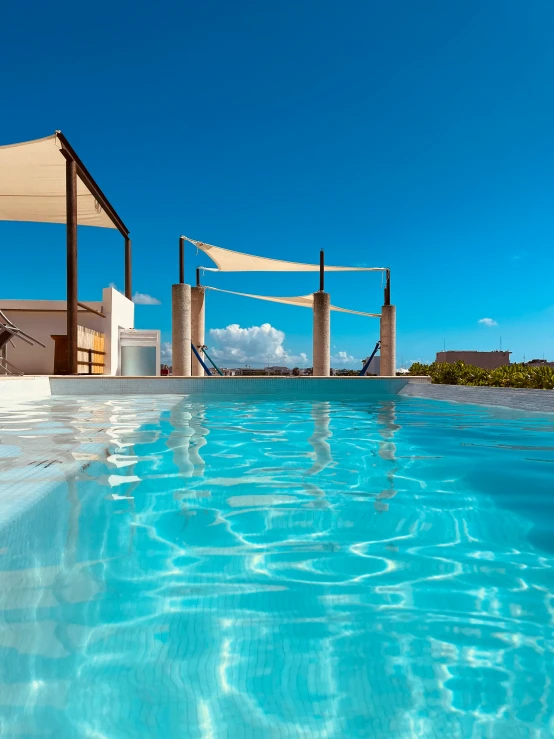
(374,366)
(44,318)
(227,260)
(139,352)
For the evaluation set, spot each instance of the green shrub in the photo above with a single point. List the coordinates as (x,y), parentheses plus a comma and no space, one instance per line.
(513,375)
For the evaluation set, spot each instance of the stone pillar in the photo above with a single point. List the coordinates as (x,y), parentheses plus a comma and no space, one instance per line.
(388,341)
(197,327)
(322,334)
(180,329)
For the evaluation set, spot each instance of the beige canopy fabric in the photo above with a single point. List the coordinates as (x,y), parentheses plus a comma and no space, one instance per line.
(304,301)
(32,186)
(236,261)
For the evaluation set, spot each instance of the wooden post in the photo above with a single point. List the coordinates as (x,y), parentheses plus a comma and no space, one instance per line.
(128,269)
(198,277)
(182,260)
(321,270)
(387,289)
(71,229)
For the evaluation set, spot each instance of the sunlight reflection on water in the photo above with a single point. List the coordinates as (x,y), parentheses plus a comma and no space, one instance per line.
(377,568)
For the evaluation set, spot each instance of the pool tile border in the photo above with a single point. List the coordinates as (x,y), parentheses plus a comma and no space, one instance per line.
(238,386)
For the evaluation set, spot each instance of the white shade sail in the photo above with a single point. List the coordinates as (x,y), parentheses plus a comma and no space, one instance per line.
(236,261)
(32,186)
(303,301)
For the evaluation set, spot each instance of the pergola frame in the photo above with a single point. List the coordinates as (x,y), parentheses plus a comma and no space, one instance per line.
(75,168)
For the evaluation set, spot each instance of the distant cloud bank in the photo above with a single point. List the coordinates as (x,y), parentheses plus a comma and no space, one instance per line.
(263,344)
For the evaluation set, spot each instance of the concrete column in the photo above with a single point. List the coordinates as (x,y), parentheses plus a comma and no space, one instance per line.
(197,327)
(180,329)
(322,334)
(388,341)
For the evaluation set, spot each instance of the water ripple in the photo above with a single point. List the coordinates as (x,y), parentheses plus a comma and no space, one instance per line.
(275,569)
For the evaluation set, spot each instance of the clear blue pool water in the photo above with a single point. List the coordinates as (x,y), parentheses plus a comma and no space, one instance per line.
(248,569)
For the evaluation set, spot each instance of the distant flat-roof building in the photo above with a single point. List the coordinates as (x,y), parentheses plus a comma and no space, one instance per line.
(485,360)
(539,363)
(278,370)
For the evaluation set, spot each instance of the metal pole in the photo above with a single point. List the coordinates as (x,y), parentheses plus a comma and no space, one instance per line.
(128,269)
(321,270)
(71,230)
(198,277)
(387,289)
(182,260)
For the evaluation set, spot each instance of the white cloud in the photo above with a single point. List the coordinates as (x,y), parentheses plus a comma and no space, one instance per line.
(145,299)
(487,322)
(254,345)
(139,298)
(342,358)
(166,352)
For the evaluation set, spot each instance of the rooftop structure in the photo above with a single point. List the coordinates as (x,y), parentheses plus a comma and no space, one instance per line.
(539,363)
(188,309)
(99,326)
(46,182)
(485,360)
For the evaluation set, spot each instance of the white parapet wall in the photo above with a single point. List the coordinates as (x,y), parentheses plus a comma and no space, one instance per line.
(45,318)
(121,312)
(24,388)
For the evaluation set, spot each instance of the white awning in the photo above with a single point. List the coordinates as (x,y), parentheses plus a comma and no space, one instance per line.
(236,261)
(32,186)
(303,301)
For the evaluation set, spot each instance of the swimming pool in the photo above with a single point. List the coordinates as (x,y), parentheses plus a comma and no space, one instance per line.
(255,568)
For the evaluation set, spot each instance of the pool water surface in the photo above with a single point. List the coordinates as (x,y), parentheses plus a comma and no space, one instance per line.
(252,568)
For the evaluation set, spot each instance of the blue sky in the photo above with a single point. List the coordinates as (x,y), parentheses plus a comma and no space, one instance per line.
(412,135)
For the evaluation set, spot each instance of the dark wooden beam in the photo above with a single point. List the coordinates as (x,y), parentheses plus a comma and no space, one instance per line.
(387,288)
(198,277)
(128,269)
(182,260)
(322,270)
(87,309)
(71,230)
(88,180)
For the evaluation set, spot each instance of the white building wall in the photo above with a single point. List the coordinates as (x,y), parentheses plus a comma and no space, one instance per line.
(121,314)
(44,318)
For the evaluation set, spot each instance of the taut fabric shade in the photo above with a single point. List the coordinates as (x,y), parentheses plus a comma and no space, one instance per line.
(32,186)
(303,301)
(236,261)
